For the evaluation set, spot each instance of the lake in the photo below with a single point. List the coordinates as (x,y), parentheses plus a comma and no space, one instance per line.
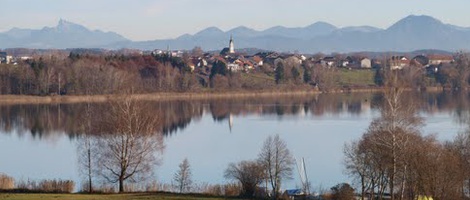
(39,141)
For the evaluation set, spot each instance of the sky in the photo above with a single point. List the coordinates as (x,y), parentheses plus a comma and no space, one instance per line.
(141,20)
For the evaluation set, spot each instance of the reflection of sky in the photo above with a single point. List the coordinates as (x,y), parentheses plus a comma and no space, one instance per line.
(210,146)
(25,157)
(443,125)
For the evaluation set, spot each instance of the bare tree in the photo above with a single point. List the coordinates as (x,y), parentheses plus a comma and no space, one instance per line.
(197,51)
(326,78)
(183,177)
(461,146)
(86,145)
(249,173)
(357,163)
(277,162)
(387,141)
(129,143)
(461,82)
(86,149)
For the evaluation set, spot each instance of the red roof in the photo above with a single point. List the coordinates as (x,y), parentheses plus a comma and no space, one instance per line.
(440,57)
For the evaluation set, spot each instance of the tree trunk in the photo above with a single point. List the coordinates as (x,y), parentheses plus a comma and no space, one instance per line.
(90,185)
(121,185)
(363,188)
(394,164)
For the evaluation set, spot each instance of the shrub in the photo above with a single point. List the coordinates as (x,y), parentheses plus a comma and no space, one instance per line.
(6,182)
(47,186)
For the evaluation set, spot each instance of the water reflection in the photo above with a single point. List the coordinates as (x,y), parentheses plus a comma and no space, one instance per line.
(312,126)
(43,121)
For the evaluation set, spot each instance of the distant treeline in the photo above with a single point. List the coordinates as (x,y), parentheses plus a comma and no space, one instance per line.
(113,74)
(92,74)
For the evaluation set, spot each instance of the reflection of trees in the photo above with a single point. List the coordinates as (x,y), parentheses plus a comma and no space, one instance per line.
(87,148)
(43,121)
(177,114)
(118,142)
(128,144)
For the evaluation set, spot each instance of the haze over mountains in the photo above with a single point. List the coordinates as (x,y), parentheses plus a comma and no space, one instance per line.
(409,34)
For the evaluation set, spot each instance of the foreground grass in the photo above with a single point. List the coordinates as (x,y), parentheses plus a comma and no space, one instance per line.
(133,196)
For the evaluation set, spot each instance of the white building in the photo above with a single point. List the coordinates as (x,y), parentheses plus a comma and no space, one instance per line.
(366,63)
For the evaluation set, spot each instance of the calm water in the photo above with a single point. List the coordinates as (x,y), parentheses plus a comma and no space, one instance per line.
(39,141)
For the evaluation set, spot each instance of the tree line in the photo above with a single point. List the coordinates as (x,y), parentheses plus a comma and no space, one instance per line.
(394,160)
(92,74)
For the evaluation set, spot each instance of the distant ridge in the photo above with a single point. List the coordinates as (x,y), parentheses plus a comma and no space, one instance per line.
(408,34)
(65,35)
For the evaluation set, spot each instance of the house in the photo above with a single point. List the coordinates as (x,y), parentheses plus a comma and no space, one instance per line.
(158,52)
(192,63)
(3,57)
(294,194)
(349,61)
(328,61)
(202,62)
(177,53)
(399,62)
(268,57)
(440,59)
(234,66)
(257,60)
(420,60)
(248,66)
(240,64)
(293,60)
(197,62)
(356,62)
(366,63)
(433,69)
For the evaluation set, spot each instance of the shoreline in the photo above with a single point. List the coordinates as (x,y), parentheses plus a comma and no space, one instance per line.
(170,96)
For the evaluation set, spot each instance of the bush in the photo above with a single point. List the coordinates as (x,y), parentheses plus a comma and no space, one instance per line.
(59,186)
(6,182)
(47,186)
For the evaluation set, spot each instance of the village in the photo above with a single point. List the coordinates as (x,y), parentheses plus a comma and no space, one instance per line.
(228,69)
(237,62)
(243,62)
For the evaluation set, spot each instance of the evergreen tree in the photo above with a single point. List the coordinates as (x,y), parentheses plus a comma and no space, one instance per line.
(219,67)
(279,73)
(295,74)
(307,75)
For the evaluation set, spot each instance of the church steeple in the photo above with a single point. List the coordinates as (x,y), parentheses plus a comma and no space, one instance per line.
(230,46)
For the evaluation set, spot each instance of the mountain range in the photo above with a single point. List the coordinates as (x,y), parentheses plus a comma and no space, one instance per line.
(408,34)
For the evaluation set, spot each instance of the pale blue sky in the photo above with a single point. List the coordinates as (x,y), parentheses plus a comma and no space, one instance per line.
(161,19)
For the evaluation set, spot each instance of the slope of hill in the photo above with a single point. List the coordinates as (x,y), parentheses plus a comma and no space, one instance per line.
(64,35)
(408,34)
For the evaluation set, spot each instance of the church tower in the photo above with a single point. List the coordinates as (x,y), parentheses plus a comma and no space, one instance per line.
(230,46)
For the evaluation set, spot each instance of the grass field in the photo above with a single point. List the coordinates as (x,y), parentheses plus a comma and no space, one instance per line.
(133,196)
(356,77)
